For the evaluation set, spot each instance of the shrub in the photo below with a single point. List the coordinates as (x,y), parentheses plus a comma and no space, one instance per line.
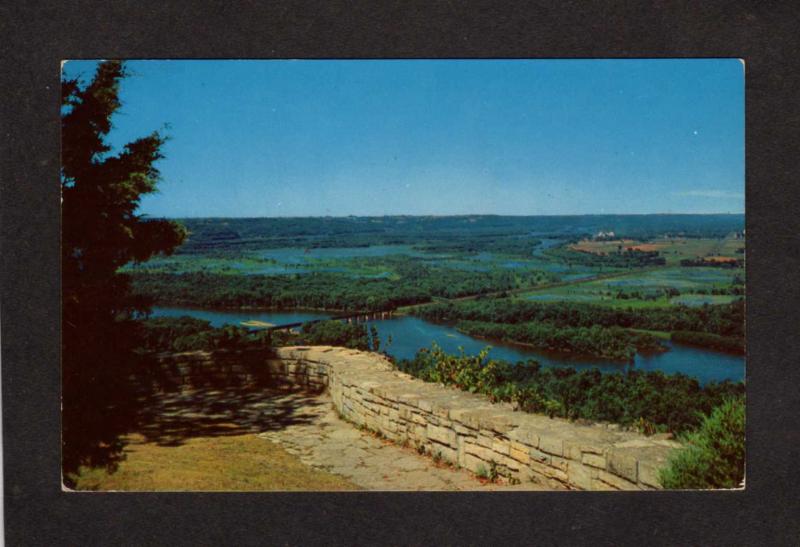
(714,456)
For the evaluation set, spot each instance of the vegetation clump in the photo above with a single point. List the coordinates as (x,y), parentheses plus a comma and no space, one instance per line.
(613,343)
(719,326)
(714,453)
(335,333)
(651,401)
(191,334)
(709,340)
(416,283)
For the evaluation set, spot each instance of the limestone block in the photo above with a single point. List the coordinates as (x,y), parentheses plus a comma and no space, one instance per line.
(486,454)
(624,464)
(615,481)
(559,463)
(471,418)
(509,463)
(440,409)
(552,445)
(548,472)
(457,413)
(594,460)
(405,412)
(520,455)
(648,474)
(501,446)
(524,435)
(484,440)
(503,424)
(581,476)
(411,399)
(539,456)
(572,449)
(599,485)
(472,463)
(442,435)
(425,405)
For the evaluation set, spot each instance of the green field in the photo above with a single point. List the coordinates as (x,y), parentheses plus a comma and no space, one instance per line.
(654,288)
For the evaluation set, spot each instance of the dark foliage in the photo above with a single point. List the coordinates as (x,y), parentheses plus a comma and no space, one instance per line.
(190,334)
(724,320)
(703,263)
(708,340)
(613,343)
(651,401)
(323,290)
(335,333)
(101,232)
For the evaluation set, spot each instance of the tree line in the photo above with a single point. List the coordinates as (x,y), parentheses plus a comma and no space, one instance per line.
(324,290)
(628,258)
(612,343)
(723,319)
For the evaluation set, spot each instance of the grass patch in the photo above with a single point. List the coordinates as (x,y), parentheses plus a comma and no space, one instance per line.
(229,463)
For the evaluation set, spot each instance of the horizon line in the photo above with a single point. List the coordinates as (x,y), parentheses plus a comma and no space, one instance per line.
(422,215)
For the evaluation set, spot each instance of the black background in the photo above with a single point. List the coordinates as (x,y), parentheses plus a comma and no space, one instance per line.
(37,35)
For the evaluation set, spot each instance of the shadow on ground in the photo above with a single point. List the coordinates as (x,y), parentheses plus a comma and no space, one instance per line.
(221,393)
(169,419)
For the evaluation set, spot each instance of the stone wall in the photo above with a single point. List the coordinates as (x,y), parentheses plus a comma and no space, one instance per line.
(462,428)
(467,430)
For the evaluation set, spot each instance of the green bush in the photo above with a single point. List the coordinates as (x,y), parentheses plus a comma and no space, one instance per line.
(714,456)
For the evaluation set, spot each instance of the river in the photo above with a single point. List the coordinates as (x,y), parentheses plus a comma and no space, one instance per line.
(412,333)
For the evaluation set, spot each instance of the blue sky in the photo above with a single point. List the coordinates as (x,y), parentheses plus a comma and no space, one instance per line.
(313,138)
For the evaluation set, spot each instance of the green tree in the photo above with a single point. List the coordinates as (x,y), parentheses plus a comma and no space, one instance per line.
(101,232)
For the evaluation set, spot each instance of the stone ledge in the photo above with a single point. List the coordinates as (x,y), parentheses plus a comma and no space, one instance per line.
(470,431)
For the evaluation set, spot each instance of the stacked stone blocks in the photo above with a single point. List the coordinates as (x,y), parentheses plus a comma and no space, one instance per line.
(470,432)
(454,426)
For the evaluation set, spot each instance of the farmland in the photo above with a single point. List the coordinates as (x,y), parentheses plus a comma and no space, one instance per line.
(673,249)
(404,264)
(656,288)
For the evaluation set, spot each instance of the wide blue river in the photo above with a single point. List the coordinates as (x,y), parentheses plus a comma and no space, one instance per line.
(409,334)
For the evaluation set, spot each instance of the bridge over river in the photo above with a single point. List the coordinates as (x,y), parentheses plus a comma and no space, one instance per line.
(350,317)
